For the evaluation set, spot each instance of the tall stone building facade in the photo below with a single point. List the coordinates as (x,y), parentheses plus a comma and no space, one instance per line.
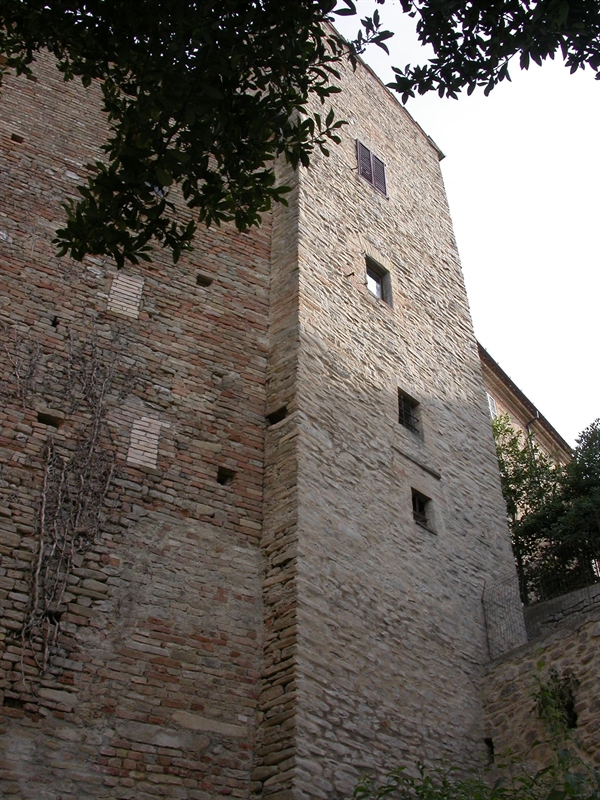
(249,501)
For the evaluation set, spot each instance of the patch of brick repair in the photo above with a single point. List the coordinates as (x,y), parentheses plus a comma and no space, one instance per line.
(126,295)
(143,445)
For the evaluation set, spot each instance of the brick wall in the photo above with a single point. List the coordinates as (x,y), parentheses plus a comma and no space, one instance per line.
(381,637)
(391,629)
(153,678)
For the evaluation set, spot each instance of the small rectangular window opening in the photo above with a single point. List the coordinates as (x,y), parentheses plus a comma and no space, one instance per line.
(492,406)
(49,419)
(13,702)
(203,280)
(225,476)
(277,416)
(378,281)
(421,509)
(374,283)
(408,413)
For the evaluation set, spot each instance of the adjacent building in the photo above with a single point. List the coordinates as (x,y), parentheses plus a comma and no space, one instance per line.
(505,397)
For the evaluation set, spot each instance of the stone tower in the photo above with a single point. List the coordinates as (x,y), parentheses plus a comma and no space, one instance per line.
(249,501)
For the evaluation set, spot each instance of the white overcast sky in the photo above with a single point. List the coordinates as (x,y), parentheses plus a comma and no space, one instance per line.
(522,173)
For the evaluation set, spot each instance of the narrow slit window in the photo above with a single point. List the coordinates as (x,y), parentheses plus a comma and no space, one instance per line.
(371,168)
(422,510)
(408,412)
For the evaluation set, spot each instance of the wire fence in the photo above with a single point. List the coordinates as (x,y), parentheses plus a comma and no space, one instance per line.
(558,571)
(504,620)
(510,622)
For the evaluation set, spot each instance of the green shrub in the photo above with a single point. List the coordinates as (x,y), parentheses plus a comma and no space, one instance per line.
(565,779)
(566,775)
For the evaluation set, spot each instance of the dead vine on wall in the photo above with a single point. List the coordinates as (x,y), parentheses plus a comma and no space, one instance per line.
(73,494)
(23,356)
(79,464)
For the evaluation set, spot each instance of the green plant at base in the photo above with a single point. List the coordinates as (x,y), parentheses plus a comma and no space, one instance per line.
(566,776)
(559,781)
(555,702)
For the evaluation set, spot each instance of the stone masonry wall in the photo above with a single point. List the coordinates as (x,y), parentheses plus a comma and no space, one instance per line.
(391,636)
(251,608)
(153,635)
(510,716)
(542,618)
(278,699)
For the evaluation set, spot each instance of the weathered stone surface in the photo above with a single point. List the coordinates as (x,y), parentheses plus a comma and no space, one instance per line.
(260,612)
(510,715)
(58,696)
(160,735)
(198,723)
(391,637)
(542,618)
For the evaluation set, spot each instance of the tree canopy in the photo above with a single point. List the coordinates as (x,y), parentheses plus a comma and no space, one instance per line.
(553,511)
(474,42)
(206,96)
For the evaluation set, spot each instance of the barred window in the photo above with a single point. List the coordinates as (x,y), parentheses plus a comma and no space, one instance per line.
(408,412)
(422,509)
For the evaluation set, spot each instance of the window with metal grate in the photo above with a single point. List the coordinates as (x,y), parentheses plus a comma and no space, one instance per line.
(421,510)
(408,412)
(371,168)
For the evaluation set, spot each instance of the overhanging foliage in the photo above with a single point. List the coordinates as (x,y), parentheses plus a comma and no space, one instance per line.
(206,96)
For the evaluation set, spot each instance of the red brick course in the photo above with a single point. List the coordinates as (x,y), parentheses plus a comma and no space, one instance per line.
(162,614)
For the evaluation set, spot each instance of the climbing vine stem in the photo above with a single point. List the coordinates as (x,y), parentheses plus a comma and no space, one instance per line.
(78,468)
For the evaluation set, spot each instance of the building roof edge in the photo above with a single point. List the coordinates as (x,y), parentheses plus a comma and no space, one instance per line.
(535,413)
(439,151)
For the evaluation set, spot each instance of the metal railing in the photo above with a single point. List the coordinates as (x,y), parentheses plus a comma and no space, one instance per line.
(560,582)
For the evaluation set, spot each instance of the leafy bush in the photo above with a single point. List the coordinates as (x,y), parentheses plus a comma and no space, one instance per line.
(553,511)
(565,778)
